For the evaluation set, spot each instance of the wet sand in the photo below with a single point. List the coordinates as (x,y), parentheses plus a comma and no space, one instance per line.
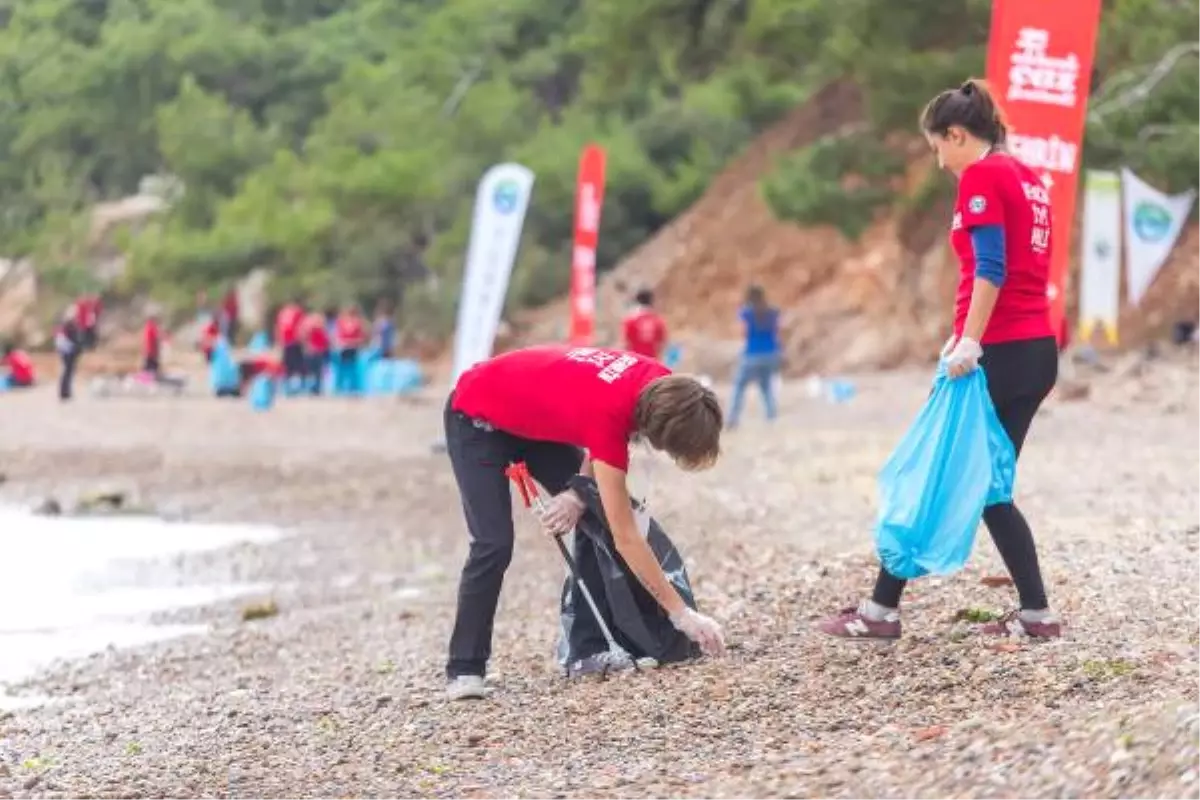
(340,693)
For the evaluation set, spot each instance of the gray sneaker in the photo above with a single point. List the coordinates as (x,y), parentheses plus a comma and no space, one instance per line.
(467,687)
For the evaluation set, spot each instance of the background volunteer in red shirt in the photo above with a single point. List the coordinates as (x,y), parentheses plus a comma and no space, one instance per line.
(546,406)
(645,331)
(316,349)
(152,340)
(1001,235)
(287,337)
(19,367)
(350,336)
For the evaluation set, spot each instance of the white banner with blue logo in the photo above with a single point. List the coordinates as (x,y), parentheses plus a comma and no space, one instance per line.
(500,205)
(1100,280)
(1153,221)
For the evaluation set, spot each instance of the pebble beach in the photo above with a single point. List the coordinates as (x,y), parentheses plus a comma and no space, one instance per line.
(338,689)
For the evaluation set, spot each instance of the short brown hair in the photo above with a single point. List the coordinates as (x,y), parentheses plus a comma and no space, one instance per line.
(970,107)
(681,417)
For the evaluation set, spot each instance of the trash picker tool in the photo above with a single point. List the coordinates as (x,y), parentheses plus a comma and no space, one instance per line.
(518,473)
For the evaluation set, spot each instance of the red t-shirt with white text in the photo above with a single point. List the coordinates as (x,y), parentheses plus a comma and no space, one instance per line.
(582,396)
(645,332)
(1000,190)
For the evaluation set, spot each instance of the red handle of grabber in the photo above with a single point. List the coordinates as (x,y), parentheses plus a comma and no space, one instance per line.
(518,473)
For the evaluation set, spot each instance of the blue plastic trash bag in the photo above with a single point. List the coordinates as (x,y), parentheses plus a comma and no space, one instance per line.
(3,383)
(223,375)
(955,460)
(259,343)
(262,393)
(672,356)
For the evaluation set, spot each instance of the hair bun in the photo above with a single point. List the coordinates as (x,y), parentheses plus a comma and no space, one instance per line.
(968,88)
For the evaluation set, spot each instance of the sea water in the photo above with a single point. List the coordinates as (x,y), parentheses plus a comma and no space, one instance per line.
(61,596)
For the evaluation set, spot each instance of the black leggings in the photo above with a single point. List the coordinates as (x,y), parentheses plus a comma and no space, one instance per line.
(1019,375)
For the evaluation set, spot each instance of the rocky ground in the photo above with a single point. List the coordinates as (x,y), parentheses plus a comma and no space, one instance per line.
(339,694)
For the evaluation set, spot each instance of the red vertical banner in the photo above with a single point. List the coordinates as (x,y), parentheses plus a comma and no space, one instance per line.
(1039,68)
(589,198)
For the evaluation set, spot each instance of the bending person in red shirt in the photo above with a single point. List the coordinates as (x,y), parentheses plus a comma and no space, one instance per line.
(645,331)
(565,411)
(1001,235)
(19,367)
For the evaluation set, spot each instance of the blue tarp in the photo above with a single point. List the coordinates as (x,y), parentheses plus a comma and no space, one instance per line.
(955,460)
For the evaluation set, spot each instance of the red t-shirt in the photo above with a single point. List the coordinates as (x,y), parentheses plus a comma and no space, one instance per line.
(1000,190)
(20,368)
(350,331)
(287,324)
(208,336)
(582,396)
(151,338)
(645,332)
(316,335)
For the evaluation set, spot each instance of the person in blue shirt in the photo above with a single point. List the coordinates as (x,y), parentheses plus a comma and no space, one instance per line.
(384,330)
(761,355)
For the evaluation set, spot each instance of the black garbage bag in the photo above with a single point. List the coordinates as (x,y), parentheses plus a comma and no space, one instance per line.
(636,620)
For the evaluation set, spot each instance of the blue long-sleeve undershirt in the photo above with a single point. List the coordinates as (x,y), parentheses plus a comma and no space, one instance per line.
(988,243)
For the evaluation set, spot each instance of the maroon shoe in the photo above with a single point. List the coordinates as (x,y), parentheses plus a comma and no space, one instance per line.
(1011,624)
(851,624)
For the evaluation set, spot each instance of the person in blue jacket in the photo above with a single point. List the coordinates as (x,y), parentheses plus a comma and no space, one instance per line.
(761,358)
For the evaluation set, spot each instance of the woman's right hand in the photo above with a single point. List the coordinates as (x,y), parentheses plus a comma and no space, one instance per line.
(704,631)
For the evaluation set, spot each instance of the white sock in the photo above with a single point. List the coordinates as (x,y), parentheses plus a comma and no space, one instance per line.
(1045,615)
(874,612)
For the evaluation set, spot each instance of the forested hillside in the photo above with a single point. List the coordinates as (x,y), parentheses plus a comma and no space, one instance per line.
(338,142)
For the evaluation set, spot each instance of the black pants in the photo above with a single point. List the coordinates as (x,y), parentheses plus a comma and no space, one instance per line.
(315,366)
(65,381)
(478,457)
(1019,375)
(150,364)
(293,361)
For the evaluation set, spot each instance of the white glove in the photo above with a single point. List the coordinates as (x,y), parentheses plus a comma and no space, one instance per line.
(964,358)
(702,630)
(948,346)
(561,513)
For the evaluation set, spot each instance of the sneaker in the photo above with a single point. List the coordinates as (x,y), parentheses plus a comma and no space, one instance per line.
(599,664)
(466,687)
(851,624)
(1011,624)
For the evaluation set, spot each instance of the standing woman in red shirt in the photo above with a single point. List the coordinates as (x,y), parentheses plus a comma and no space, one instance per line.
(645,331)
(1001,235)
(351,336)
(316,349)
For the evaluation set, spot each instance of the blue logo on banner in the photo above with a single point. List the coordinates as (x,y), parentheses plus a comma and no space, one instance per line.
(506,196)
(1151,222)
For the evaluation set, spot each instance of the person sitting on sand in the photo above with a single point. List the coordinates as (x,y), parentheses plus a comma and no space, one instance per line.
(565,411)
(19,367)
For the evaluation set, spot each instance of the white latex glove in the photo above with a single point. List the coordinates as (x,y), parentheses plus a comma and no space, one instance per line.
(964,358)
(561,513)
(702,630)
(948,346)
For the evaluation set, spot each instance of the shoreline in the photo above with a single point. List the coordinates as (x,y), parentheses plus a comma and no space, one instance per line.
(340,693)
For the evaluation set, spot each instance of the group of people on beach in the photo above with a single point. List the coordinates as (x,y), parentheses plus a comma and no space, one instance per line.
(577,410)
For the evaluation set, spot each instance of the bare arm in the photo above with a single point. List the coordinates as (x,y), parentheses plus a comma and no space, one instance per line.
(983,302)
(633,548)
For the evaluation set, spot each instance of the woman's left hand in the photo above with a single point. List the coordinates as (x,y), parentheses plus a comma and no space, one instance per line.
(964,358)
